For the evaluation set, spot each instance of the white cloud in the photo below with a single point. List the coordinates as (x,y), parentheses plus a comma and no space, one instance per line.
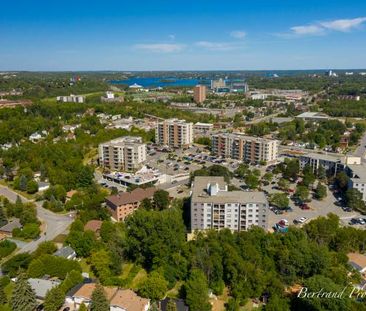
(307,30)
(160,47)
(238,34)
(324,27)
(216,46)
(344,24)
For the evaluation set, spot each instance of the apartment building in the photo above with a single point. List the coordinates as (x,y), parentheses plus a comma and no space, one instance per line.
(202,127)
(124,153)
(245,148)
(357,174)
(214,207)
(125,203)
(332,164)
(174,133)
(71,99)
(199,94)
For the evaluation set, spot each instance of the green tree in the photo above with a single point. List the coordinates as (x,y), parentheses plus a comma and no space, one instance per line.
(100,261)
(54,299)
(342,180)
(154,287)
(32,186)
(196,289)
(320,191)
(251,181)
(302,192)
(23,297)
(280,200)
(23,183)
(99,300)
(354,200)
(83,307)
(283,184)
(276,303)
(146,204)
(3,297)
(161,199)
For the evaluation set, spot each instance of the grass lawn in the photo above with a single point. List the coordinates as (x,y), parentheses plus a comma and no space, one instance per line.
(140,277)
(85,267)
(174,292)
(60,238)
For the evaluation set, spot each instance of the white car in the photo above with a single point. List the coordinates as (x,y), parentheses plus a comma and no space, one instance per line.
(302,220)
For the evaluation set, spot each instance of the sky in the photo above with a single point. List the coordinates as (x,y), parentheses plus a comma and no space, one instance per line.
(40,35)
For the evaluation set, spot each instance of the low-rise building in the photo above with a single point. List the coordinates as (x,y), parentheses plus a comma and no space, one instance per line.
(42,286)
(213,206)
(66,252)
(125,203)
(94,225)
(119,299)
(244,148)
(357,261)
(8,228)
(313,116)
(71,99)
(124,153)
(202,127)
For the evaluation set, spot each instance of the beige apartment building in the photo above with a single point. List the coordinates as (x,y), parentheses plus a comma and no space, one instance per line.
(174,133)
(244,148)
(123,154)
(199,94)
(214,207)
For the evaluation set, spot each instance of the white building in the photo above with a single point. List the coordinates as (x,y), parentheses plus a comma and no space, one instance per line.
(313,116)
(357,174)
(124,153)
(214,207)
(244,148)
(174,133)
(202,127)
(71,99)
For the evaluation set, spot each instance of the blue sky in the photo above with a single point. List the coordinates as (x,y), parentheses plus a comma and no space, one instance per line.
(182,35)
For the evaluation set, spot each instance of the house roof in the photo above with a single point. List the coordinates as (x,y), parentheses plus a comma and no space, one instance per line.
(41,286)
(11,225)
(93,225)
(65,252)
(136,195)
(179,303)
(128,300)
(70,193)
(357,260)
(86,290)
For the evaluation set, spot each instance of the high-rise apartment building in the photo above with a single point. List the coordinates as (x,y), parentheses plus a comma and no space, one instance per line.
(124,153)
(244,148)
(214,207)
(174,133)
(199,94)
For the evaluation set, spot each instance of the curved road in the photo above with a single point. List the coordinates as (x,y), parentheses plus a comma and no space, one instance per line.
(55,224)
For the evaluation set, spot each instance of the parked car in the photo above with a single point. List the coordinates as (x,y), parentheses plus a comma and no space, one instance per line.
(304,206)
(300,220)
(353,221)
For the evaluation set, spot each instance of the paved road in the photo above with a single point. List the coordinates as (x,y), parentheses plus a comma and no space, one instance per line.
(361,149)
(55,224)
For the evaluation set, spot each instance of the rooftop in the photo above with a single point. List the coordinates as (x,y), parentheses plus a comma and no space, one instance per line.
(41,286)
(65,252)
(317,115)
(93,225)
(11,225)
(357,260)
(136,195)
(358,171)
(243,136)
(128,300)
(217,192)
(326,157)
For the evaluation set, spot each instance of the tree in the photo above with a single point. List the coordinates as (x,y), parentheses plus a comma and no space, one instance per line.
(3,219)
(47,247)
(320,191)
(23,183)
(280,200)
(32,186)
(23,297)
(100,261)
(276,303)
(354,200)
(196,289)
(54,299)
(3,298)
(161,199)
(99,300)
(302,193)
(146,204)
(283,184)
(251,181)
(83,307)
(154,287)
(342,180)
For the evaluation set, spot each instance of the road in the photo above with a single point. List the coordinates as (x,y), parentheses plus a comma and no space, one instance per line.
(361,149)
(54,224)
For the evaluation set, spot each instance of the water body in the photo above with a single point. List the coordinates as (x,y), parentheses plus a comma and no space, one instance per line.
(161,82)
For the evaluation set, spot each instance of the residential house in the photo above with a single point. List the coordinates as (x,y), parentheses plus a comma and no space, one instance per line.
(93,225)
(10,226)
(65,252)
(42,286)
(357,261)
